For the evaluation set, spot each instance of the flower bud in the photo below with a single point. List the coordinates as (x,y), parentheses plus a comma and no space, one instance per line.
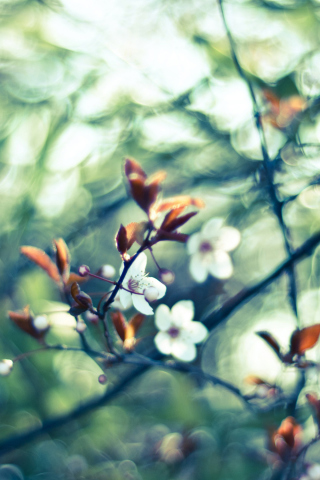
(151,294)
(5,367)
(83,270)
(81,327)
(102,379)
(107,271)
(166,276)
(41,323)
(92,317)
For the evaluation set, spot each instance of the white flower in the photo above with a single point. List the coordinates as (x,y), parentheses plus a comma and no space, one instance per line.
(209,249)
(178,333)
(137,281)
(5,367)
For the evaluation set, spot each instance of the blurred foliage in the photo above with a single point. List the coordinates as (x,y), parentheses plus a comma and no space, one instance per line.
(85,84)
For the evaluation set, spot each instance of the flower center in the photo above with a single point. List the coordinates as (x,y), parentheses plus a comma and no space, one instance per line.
(173,332)
(133,284)
(205,247)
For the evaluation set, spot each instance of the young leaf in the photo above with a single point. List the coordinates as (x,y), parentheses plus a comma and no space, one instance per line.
(315,403)
(122,240)
(82,299)
(133,326)
(302,340)
(179,221)
(39,257)
(133,167)
(271,341)
(135,232)
(62,258)
(119,323)
(171,236)
(179,201)
(24,321)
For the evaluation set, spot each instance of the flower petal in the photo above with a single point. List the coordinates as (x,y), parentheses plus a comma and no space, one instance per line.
(119,305)
(194,243)
(183,350)
(211,229)
(139,265)
(163,342)
(153,282)
(141,304)
(198,270)
(125,298)
(229,239)
(221,266)
(194,332)
(182,312)
(163,317)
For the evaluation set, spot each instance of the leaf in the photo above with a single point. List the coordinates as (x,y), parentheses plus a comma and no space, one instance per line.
(81,298)
(119,323)
(75,310)
(40,258)
(133,326)
(122,240)
(172,215)
(62,258)
(132,166)
(302,340)
(179,201)
(171,236)
(179,221)
(135,232)
(24,321)
(271,341)
(137,188)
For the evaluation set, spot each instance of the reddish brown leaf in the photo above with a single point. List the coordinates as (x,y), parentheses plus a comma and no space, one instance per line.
(133,326)
(119,323)
(39,257)
(24,321)
(62,258)
(179,221)
(271,341)
(171,236)
(135,232)
(137,188)
(81,298)
(132,166)
(179,201)
(157,178)
(122,240)
(302,340)
(171,215)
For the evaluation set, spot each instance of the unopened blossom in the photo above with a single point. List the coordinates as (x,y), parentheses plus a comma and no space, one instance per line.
(5,367)
(41,323)
(138,282)
(108,271)
(209,250)
(178,333)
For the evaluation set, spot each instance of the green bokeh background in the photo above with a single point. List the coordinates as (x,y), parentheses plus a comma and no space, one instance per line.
(84,84)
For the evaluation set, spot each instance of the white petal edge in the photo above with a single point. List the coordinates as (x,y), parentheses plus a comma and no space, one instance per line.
(195,332)
(125,298)
(198,270)
(182,312)
(194,243)
(163,317)
(163,342)
(184,351)
(141,304)
(229,239)
(221,266)
(139,265)
(153,282)
(212,228)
